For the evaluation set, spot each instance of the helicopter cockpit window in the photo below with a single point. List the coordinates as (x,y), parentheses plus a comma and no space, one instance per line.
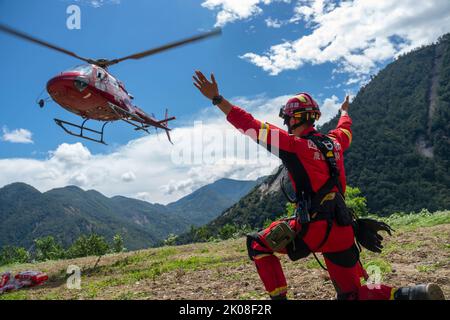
(83,69)
(100,74)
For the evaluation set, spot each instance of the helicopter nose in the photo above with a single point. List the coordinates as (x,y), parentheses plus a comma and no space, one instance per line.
(67,81)
(62,80)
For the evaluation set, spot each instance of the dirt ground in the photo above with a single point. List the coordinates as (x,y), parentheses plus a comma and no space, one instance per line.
(222,270)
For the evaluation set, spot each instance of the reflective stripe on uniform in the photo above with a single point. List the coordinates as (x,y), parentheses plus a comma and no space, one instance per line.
(393,291)
(263,133)
(278,291)
(347,133)
(260,256)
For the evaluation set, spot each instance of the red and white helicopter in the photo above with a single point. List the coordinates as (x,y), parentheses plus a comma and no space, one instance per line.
(92,93)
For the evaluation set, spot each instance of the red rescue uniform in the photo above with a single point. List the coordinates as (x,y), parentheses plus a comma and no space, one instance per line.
(308,172)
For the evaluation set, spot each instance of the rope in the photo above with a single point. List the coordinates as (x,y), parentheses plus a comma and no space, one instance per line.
(320,263)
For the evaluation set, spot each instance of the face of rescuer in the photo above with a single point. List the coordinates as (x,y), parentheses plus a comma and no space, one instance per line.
(298,131)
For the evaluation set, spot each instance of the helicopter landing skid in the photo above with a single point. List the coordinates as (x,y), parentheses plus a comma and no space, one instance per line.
(134,120)
(64,125)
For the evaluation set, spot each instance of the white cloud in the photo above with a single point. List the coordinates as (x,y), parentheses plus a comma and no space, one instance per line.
(17,135)
(144,168)
(329,109)
(128,176)
(97,3)
(273,23)
(145,196)
(356,35)
(71,154)
(233,10)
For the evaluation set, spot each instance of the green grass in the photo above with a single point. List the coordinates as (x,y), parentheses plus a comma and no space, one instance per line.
(157,268)
(394,247)
(14,295)
(426,268)
(313,264)
(139,272)
(252,295)
(126,296)
(383,265)
(52,296)
(411,221)
(431,267)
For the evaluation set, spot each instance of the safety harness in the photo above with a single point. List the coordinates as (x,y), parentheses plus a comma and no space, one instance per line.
(309,208)
(313,209)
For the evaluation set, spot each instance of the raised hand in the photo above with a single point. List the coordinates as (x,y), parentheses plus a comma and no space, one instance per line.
(345,104)
(208,88)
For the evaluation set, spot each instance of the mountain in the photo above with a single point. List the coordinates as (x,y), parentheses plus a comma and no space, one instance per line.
(66,213)
(265,201)
(400,153)
(209,201)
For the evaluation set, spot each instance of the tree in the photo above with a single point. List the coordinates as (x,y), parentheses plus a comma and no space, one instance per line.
(117,246)
(48,249)
(228,231)
(171,240)
(93,245)
(11,254)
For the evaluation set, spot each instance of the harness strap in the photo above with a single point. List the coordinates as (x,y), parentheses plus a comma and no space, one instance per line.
(326,147)
(327,233)
(320,263)
(289,198)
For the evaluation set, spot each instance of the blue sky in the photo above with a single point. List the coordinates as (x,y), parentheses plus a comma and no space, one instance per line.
(157,82)
(268,50)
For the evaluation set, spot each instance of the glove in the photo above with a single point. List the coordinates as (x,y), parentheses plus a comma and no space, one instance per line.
(366,232)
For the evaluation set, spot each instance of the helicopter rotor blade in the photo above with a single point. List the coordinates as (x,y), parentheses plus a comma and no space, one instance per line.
(27,37)
(169,46)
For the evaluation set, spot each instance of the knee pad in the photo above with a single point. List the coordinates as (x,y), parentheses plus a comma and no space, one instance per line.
(346,258)
(255,246)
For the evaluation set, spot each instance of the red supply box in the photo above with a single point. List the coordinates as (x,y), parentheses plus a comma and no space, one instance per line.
(35,277)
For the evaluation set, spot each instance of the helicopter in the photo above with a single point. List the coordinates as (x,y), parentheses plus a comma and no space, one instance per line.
(91,92)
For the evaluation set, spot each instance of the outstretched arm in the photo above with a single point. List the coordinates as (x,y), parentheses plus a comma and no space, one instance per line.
(269,135)
(343,132)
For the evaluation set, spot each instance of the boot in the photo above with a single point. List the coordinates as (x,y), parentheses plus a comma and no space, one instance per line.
(428,291)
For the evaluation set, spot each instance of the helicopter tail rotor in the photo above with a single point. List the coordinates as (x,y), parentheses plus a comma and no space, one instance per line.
(164,124)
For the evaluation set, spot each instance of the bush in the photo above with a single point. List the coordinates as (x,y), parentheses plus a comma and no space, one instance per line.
(424,218)
(117,246)
(201,234)
(11,254)
(356,201)
(171,240)
(290,212)
(228,231)
(48,249)
(93,245)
